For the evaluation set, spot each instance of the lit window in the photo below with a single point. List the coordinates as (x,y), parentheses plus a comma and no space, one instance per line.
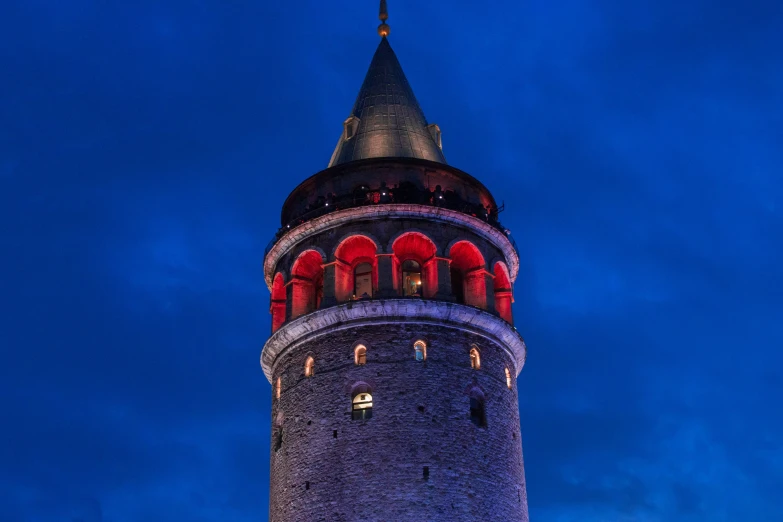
(478,415)
(361,407)
(421,350)
(411,278)
(307,278)
(468,274)
(360,355)
(309,367)
(362,281)
(277,388)
(475,358)
(508,378)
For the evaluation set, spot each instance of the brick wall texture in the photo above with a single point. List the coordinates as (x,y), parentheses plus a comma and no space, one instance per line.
(327,467)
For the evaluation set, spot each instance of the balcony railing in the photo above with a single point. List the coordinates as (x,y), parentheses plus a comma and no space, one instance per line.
(404,193)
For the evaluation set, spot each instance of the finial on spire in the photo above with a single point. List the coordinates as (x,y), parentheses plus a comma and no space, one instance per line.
(383,29)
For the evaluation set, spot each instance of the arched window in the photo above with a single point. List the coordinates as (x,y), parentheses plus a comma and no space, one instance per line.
(420,348)
(360,355)
(309,367)
(478,415)
(362,281)
(307,276)
(277,307)
(278,385)
(508,378)
(502,290)
(415,265)
(277,436)
(475,359)
(468,274)
(361,405)
(355,273)
(411,278)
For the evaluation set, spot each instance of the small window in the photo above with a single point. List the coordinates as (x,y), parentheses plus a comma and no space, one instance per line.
(508,378)
(309,367)
(411,278)
(277,388)
(362,281)
(436,134)
(478,415)
(351,125)
(475,359)
(361,408)
(420,348)
(360,355)
(277,433)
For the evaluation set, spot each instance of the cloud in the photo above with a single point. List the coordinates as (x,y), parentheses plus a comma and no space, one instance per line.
(147,150)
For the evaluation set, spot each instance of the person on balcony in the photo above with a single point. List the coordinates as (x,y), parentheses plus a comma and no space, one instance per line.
(385,193)
(437,197)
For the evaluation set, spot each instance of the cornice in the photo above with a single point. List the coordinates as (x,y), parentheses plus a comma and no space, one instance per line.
(393,311)
(390,211)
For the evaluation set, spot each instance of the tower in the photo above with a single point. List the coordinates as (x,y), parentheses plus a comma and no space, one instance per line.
(393,356)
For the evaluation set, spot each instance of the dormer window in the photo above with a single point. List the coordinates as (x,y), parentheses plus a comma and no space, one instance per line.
(350,126)
(435,133)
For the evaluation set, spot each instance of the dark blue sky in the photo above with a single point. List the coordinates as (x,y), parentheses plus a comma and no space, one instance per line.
(146,148)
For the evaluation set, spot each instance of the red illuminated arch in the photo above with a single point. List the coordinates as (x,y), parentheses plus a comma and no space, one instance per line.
(503,295)
(277,309)
(355,253)
(307,276)
(414,251)
(468,281)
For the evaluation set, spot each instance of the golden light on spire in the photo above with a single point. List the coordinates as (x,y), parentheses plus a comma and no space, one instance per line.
(383,29)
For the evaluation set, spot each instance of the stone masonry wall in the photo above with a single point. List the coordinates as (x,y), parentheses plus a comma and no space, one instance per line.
(329,467)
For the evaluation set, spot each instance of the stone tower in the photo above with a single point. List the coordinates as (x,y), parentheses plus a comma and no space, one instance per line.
(393,356)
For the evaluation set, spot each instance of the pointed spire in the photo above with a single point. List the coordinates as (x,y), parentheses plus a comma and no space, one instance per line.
(386,120)
(383,15)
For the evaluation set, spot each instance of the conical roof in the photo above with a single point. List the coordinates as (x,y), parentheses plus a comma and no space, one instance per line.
(390,122)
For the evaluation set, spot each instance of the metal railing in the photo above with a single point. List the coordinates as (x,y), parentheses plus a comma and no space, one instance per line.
(404,193)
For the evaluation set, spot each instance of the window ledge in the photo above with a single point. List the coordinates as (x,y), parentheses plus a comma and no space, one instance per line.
(393,311)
